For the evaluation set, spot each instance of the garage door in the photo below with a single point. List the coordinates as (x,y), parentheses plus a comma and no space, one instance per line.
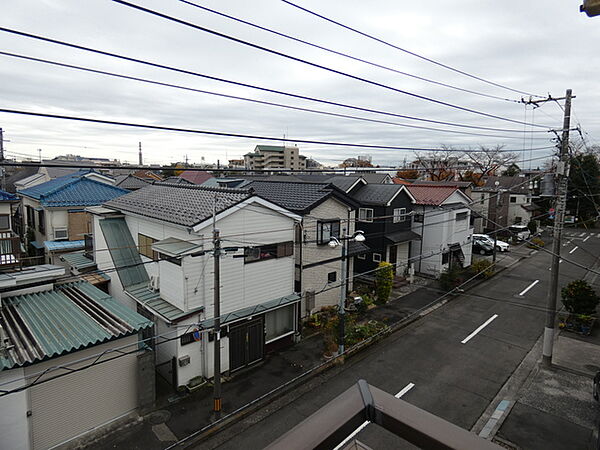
(69,406)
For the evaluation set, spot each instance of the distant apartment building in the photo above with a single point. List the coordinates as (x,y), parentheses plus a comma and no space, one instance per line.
(267,157)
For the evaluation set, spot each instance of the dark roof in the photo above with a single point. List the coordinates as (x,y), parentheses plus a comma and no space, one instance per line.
(297,197)
(269,148)
(430,195)
(185,205)
(375,178)
(377,194)
(20,174)
(195,176)
(174,180)
(73,190)
(131,182)
(458,184)
(344,183)
(57,172)
(402,236)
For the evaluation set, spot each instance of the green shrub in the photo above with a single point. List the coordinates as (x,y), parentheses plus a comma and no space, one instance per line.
(532,225)
(452,278)
(357,333)
(384,280)
(482,268)
(579,298)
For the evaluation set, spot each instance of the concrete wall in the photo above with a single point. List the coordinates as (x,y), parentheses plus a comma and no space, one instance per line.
(14,424)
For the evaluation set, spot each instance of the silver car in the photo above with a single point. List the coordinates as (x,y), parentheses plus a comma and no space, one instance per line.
(501,246)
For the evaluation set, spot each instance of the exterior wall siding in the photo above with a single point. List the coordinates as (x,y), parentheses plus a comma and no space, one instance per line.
(14,425)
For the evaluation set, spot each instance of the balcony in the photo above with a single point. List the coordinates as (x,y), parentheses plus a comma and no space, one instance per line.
(10,249)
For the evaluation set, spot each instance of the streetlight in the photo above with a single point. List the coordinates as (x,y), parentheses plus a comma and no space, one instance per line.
(334,242)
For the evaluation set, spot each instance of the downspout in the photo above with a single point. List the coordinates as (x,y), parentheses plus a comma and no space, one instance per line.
(422,237)
(347,274)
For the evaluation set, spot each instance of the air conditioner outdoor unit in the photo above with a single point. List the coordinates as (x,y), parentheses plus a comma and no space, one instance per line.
(61,233)
(154,283)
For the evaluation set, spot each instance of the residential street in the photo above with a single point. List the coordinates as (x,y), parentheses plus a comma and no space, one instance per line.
(456,372)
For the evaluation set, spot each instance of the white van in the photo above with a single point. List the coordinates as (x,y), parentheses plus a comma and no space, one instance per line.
(520,231)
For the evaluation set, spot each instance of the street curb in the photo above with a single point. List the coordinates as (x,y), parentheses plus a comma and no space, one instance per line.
(270,397)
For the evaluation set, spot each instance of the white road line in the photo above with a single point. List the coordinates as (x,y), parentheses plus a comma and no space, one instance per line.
(586,238)
(576,247)
(342,444)
(485,324)
(582,234)
(524,291)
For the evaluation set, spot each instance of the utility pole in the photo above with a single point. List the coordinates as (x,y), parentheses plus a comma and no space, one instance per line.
(140,161)
(3,169)
(561,200)
(217,315)
(342,305)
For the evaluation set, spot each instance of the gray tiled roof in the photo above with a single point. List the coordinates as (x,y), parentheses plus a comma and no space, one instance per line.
(185,205)
(376,194)
(297,197)
(131,182)
(344,183)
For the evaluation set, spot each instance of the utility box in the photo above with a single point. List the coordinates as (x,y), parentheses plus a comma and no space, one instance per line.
(590,7)
(184,361)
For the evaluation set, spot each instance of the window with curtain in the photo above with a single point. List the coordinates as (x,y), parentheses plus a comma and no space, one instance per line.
(327,229)
(279,322)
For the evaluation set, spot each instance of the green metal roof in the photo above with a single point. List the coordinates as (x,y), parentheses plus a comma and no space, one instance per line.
(71,317)
(151,300)
(269,148)
(174,247)
(123,251)
(78,260)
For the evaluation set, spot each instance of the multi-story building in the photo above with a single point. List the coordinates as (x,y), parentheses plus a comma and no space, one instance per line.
(267,157)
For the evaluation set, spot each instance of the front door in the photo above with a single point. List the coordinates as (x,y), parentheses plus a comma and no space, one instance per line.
(393,256)
(246,344)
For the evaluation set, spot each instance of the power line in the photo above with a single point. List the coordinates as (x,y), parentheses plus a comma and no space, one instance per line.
(250,86)
(430,60)
(345,55)
(246,99)
(320,66)
(237,135)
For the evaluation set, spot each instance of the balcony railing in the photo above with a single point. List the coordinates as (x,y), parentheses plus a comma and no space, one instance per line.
(10,249)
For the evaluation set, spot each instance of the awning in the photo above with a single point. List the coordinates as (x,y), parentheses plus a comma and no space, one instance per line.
(402,236)
(54,246)
(174,247)
(252,310)
(358,248)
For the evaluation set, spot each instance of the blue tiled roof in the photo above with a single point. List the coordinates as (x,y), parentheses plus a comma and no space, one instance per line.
(73,190)
(64,245)
(7,196)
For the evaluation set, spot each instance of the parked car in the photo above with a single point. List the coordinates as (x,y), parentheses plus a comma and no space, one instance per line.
(482,247)
(520,231)
(501,246)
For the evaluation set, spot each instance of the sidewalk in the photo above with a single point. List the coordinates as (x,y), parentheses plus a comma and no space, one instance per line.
(185,415)
(548,409)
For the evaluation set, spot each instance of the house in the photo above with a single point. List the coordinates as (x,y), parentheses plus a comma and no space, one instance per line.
(159,239)
(267,157)
(326,212)
(10,243)
(195,176)
(52,362)
(442,219)
(53,212)
(385,216)
(503,201)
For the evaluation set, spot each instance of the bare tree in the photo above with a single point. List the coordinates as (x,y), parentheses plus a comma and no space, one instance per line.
(487,160)
(437,166)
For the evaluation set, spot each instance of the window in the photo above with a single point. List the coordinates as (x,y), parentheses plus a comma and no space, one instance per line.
(445,257)
(279,323)
(362,256)
(145,247)
(188,338)
(269,251)
(326,230)
(482,199)
(41,222)
(376,257)
(461,216)
(365,214)
(61,233)
(4,222)
(30,217)
(331,277)
(399,215)
(513,199)
(418,218)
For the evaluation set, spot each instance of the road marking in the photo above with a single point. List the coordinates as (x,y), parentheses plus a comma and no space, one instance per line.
(485,324)
(524,291)
(404,390)
(576,247)
(582,234)
(586,238)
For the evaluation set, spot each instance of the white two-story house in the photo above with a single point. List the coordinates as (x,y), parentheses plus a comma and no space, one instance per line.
(441,217)
(156,244)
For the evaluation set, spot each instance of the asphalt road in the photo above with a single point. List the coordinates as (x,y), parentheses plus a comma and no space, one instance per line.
(456,370)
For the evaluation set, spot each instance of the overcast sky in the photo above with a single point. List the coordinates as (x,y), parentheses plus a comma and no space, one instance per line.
(536,46)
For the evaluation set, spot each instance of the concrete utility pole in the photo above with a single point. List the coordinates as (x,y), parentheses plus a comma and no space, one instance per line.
(217,315)
(3,169)
(561,201)
(140,154)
